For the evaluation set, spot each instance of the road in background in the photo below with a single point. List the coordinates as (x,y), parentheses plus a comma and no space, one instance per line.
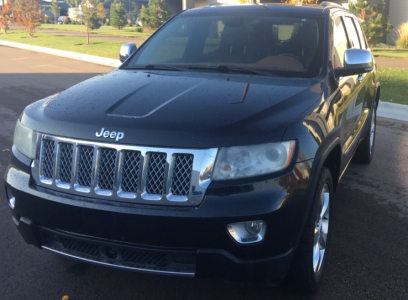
(369,247)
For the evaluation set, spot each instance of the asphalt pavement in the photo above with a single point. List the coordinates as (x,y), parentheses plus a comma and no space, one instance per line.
(369,246)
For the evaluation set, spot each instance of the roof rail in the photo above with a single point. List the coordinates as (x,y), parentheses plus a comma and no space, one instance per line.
(216,4)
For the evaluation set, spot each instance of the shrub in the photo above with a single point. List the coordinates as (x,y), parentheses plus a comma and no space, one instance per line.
(129,23)
(65,20)
(402,31)
(139,29)
(375,26)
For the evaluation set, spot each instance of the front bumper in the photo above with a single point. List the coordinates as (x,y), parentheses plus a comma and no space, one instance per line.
(190,241)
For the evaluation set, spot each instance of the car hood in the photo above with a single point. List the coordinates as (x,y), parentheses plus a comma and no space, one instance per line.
(175,109)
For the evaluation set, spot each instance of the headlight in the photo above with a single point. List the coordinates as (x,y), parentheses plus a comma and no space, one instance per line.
(249,161)
(25,140)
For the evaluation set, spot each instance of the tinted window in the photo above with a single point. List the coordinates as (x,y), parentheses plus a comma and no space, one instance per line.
(262,42)
(339,43)
(360,35)
(352,33)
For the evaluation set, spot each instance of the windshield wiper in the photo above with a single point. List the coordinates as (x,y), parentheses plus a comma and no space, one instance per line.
(227,68)
(154,67)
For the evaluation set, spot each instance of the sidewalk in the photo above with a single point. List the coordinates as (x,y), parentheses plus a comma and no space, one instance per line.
(392,62)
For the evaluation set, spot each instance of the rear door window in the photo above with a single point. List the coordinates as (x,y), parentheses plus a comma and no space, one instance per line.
(352,33)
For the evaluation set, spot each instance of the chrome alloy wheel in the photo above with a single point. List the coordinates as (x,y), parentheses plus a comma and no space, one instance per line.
(321,229)
(372,131)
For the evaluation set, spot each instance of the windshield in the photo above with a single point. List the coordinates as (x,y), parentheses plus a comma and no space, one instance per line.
(263,43)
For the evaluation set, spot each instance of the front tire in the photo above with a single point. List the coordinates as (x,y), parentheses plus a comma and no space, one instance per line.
(308,265)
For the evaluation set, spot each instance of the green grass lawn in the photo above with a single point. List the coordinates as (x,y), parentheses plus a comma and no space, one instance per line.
(394,83)
(390,52)
(104,48)
(105,30)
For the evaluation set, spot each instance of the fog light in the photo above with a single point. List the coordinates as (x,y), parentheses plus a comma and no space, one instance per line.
(247,232)
(12,202)
(11,198)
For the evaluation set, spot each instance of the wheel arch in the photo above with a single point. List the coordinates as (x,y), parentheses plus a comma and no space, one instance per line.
(333,162)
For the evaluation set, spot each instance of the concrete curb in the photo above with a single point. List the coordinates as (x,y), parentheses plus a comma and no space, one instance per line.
(68,54)
(393,111)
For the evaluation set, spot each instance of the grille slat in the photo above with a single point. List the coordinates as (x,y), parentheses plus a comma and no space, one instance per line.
(47,159)
(85,166)
(64,172)
(106,170)
(121,172)
(156,169)
(182,175)
(130,175)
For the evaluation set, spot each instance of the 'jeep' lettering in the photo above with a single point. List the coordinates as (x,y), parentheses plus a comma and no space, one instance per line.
(110,134)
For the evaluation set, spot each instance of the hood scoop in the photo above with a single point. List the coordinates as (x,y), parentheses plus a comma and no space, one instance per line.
(145,102)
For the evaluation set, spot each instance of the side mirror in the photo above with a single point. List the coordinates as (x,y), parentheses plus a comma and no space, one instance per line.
(356,61)
(125,51)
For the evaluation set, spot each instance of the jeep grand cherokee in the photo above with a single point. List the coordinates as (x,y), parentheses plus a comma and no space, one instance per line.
(214,150)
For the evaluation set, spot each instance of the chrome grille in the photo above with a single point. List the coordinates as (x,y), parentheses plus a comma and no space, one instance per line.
(131,169)
(84,172)
(147,175)
(155,173)
(182,175)
(47,165)
(64,172)
(106,170)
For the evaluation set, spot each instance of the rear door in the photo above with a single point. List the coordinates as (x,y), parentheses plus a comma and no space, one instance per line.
(350,108)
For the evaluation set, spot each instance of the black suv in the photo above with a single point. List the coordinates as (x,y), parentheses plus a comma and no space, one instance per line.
(214,150)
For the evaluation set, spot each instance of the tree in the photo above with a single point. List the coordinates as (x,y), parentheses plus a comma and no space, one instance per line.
(156,14)
(117,15)
(375,25)
(55,9)
(27,14)
(101,11)
(90,16)
(6,16)
(135,11)
(72,3)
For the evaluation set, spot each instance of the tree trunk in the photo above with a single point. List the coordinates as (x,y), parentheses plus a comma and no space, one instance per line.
(87,33)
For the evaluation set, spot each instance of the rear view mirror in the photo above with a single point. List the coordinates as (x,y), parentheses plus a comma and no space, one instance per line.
(356,61)
(125,51)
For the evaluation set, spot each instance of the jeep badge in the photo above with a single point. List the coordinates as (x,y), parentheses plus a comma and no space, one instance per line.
(110,134)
